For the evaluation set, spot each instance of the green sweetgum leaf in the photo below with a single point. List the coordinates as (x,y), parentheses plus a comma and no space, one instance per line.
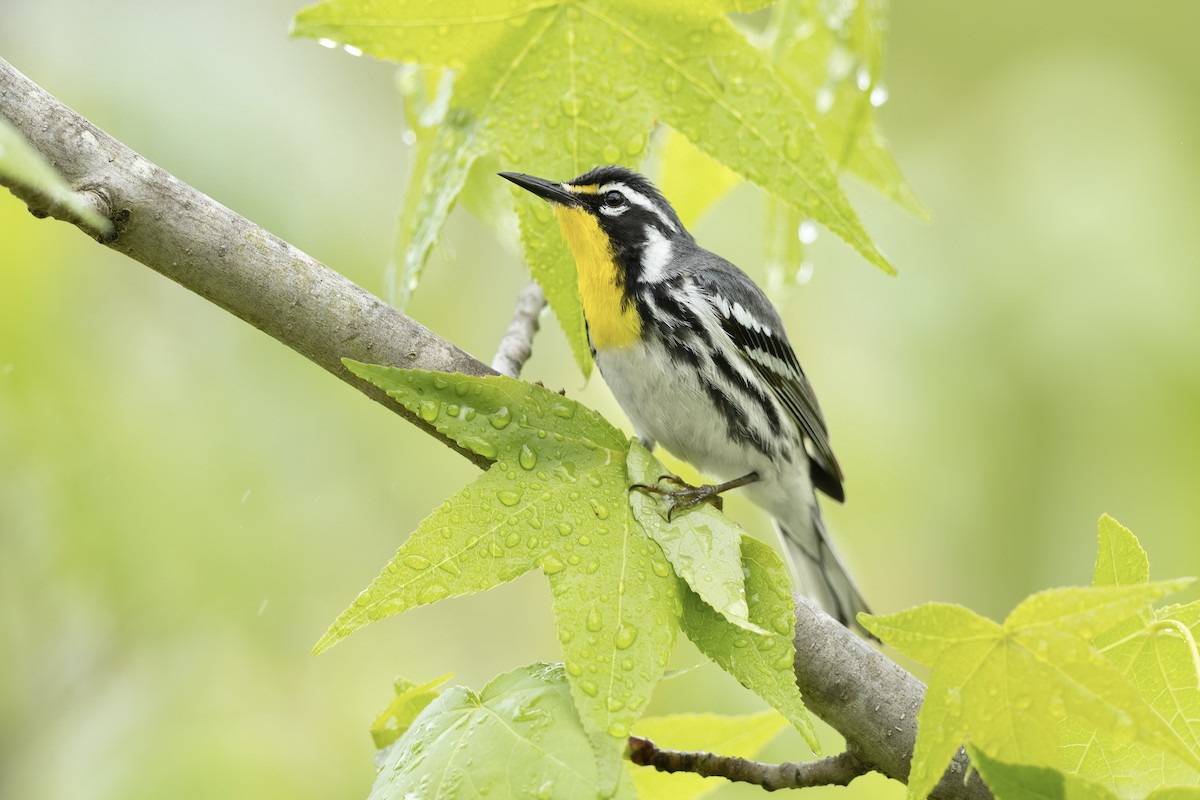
(555,499)
(702,545)
(692,180)
(519,737)
(831,57)
(1156,652)
(559,86)
(1120,559)
(742,736)
(426,94)
(1022,781)
(763,663)
(1005,687)
(409,700)
(435,182)
(21,164)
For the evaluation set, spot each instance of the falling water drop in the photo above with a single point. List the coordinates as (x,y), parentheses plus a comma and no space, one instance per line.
(824,100)
(863,78)
(807,231)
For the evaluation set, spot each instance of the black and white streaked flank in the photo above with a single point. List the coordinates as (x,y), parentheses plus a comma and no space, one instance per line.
(711,375)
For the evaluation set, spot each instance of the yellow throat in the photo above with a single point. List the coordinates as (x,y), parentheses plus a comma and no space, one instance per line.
(612,321)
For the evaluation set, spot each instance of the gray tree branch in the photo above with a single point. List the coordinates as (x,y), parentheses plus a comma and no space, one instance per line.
(193,240)
(869,699)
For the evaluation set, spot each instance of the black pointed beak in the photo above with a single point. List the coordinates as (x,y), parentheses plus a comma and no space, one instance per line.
(554,192)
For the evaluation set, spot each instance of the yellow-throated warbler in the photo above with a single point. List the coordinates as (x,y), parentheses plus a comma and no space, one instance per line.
(698,358)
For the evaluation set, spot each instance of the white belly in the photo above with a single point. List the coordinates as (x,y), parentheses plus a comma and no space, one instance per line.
(666,403)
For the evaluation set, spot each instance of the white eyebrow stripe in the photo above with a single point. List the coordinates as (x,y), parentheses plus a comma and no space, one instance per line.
(638,199)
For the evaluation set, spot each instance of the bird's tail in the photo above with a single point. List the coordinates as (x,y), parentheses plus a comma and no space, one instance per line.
(823,576)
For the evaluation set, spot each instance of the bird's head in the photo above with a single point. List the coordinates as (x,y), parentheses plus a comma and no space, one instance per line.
(612,212)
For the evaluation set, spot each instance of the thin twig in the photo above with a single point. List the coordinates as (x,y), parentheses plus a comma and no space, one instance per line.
(43,205)
(836,770)
(517,343)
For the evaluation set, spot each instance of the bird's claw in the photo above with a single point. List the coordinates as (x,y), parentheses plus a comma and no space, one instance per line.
(685,496)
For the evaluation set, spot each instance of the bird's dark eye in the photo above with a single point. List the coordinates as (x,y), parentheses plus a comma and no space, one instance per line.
(614,199)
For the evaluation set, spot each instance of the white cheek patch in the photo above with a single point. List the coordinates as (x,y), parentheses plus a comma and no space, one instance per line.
(656,255)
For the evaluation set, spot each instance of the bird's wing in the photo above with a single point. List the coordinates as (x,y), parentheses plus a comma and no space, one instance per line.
(756,331)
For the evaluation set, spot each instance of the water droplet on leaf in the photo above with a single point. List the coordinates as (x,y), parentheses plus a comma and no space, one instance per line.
(429,410)
(626,635)
(954,701)
(1124,728)
(526,458)
(434,592)
(501,418)
(479,445)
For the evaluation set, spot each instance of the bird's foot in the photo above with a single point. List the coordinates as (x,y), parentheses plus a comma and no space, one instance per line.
(685,495)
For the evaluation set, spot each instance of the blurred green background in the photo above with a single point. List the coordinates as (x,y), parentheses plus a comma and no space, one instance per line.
(185,504)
